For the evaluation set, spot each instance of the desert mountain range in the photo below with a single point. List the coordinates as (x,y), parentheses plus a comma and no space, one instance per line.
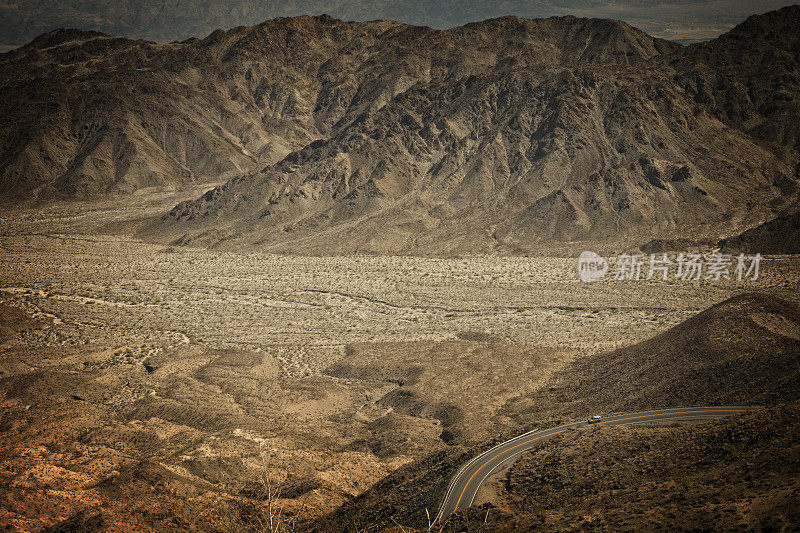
(165,21)
(506,135)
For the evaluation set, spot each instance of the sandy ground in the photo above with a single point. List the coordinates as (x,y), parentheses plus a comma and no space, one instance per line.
(306,309)
(344,368)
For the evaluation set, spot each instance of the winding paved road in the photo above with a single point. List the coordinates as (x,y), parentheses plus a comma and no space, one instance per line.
(465,484)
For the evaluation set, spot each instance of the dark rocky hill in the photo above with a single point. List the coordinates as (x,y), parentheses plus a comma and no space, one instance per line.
(508,135)
(743,351)
(511,134)
(736,473)
(780,235)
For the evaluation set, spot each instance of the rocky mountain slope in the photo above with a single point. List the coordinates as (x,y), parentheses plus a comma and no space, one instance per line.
(780,235)
(742,351)
(85,114)
(505,135)
(736,473)
(534,132)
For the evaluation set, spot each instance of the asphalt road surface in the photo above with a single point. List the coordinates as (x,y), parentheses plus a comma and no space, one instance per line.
(465,484)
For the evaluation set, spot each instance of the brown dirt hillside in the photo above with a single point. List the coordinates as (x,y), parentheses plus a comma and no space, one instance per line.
(743,351)
(780,235)
(731,474)
(12,321)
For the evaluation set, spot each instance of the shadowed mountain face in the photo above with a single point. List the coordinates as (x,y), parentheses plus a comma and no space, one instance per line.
(743,351)
(506,135)
(780,235)
(736,473)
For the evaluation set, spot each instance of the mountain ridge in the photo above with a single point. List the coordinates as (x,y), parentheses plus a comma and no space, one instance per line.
(557,212)
(165,21)
(506,135)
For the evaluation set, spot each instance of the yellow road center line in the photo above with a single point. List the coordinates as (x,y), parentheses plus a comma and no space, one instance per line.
(498,455)
(563,430)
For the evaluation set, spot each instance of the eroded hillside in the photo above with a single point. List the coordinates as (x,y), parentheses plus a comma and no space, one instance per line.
(507,135)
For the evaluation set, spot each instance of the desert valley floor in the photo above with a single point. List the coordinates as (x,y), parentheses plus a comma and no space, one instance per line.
(337,370)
